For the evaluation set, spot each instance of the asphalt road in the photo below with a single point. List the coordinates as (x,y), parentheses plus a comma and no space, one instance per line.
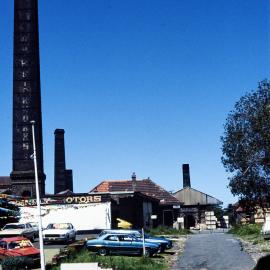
(57,245)
(52,249)
(213,251)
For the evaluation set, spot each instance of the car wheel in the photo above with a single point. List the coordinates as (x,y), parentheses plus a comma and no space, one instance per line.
(162,249)
(147,252)
(102,252)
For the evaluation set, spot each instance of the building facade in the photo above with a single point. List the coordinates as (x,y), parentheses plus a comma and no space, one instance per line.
(195,204)
(165,212)
(26,100)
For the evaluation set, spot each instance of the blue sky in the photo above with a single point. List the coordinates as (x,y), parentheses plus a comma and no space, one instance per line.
(140,86)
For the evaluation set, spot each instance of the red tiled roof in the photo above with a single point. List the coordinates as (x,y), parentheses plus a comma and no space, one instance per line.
(145,186)
(5,181)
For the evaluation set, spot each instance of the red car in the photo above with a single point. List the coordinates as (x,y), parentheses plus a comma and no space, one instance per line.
(19,247)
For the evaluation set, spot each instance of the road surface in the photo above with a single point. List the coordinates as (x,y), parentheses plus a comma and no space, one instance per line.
(213,251)
(53,249)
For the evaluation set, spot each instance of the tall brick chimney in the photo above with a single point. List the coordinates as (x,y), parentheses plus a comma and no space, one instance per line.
(59,161)
(63,179)
(186,175)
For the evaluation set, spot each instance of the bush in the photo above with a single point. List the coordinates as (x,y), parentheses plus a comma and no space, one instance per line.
(163,230)
(116,262)
(263,263)
(16,263)
(244,230)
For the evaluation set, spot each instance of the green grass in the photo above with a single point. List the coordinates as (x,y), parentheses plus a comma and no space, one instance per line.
(248,229)
(117,262)
(163,230)
(249,232)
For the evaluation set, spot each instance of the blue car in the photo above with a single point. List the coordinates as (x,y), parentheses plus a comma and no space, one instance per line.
(164,243)
(127,244)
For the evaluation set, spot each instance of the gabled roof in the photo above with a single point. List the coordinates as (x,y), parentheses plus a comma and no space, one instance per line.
(145,186)
(191,196)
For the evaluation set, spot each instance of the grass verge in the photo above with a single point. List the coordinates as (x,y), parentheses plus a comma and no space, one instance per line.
(249,232)
(163,230)
(117,262)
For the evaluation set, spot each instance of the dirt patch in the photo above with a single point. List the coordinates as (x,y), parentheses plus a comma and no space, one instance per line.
(255,250)
(173,254)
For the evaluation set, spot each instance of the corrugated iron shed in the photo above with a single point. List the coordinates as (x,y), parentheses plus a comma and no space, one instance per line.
(191,196)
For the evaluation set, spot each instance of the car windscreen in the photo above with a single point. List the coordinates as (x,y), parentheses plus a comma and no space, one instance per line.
(59,226)
(19,244)
(14,226)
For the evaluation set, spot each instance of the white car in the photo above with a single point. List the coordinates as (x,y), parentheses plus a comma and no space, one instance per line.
(266,228)
(35,227)
(18,229)
(59,232)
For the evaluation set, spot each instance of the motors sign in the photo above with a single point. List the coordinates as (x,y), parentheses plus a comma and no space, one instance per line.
(82,199)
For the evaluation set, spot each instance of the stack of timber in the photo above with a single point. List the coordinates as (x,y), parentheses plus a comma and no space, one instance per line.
(210,220)
(226,221)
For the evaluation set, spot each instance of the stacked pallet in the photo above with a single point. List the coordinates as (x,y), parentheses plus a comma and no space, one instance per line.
(210,220)
(226,221)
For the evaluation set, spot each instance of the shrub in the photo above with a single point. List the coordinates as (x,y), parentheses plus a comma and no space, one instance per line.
(16,263)
(248,229)
(168,231)
(263,263)
(116,262)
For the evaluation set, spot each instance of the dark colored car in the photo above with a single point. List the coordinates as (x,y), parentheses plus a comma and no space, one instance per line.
(19,247)
(121,244)
(165,243)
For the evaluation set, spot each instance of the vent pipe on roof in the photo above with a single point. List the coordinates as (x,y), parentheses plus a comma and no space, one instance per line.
(186,175)
(133,179)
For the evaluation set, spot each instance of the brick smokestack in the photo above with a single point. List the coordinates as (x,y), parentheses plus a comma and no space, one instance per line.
(59,161)
(186,175)
(69,179)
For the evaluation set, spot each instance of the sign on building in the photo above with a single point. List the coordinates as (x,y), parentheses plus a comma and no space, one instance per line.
(84,212)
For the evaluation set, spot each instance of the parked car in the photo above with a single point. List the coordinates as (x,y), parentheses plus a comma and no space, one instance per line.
(165,243)
(115,243)
(266,228)
(35,227)
(18,229)
(59,232)
(19,247)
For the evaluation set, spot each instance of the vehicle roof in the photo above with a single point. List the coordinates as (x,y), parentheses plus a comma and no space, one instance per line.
(121,230)
(16,223)
(60,223)
(11,239)
(117,234)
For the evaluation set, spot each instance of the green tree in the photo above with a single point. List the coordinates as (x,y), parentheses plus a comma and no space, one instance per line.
(246,146)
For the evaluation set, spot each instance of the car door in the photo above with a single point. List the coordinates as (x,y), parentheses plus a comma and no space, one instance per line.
(129,245)
(111,243)
(72,231)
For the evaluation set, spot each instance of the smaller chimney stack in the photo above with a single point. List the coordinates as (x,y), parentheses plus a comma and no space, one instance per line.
(59,161)
(186,175)
(63,178)
(133,179)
